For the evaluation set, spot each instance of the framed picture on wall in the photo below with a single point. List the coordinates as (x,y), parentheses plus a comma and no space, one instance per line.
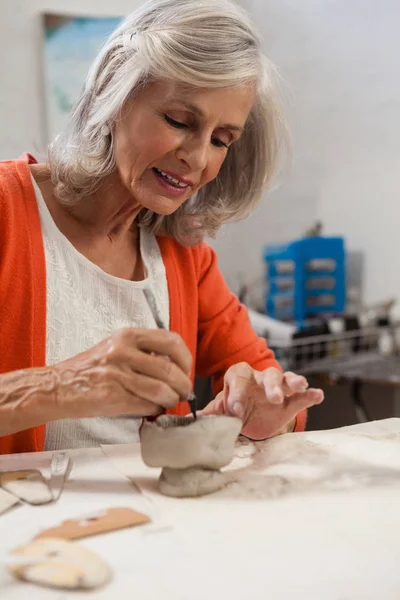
(70,46)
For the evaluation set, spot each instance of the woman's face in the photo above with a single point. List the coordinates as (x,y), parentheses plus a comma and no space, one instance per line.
(170,141)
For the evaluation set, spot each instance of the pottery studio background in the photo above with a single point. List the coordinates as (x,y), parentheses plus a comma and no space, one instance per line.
(340,60)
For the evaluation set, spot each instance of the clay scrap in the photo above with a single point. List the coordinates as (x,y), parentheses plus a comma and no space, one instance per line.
(57,563)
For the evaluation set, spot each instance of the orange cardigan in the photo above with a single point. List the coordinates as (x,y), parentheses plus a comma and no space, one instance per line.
(209,318)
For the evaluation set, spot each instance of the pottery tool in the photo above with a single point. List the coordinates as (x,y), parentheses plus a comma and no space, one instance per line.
(28,485)
(192,400)
(61,465)
(34,479)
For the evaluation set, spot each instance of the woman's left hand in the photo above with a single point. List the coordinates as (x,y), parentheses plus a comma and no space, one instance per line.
(266,401)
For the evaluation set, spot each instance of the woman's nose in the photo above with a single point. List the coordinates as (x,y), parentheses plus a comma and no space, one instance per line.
(194,153)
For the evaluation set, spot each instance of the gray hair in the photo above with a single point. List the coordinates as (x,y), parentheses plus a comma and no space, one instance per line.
(201,43)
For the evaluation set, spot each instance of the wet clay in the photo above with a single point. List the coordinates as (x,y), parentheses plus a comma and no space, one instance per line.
(184,483)
(190,452)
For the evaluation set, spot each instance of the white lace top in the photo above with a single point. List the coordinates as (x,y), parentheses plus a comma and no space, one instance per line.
(86,305)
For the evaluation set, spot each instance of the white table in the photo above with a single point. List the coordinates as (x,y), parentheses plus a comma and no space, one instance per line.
(312,515)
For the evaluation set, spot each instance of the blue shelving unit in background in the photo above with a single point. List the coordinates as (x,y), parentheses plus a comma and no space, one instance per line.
(305,278)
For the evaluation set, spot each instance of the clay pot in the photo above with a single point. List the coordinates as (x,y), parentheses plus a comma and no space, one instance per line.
(182,442)
(191,452)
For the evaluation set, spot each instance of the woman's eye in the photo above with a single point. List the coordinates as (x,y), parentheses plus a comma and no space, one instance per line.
(219,143)
(174,123)
(179,125)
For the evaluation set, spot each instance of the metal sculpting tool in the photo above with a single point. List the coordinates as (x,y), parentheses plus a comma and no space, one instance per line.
(192,400)
(61,466)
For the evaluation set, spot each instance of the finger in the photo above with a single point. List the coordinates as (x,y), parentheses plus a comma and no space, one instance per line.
(162,342)
(157,367)
(237,396)
(299,402)
(139,407)
(220,402)
(170,344)
(294,383)
(272,380)
(215,407)
(122,400)
(290,383)
(153,390)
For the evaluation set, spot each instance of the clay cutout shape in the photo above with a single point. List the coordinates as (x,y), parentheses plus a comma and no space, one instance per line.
(57,563)
(190,452)
(110,519)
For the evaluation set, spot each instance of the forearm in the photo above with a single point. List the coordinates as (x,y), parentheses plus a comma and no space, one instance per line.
(27,398)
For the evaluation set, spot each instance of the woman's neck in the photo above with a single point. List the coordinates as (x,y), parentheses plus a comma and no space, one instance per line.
(102,227)
(109,211)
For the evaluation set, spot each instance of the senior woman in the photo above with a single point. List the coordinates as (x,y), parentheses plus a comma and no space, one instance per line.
(176,132)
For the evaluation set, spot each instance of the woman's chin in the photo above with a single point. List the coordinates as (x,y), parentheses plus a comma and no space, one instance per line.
(163,206)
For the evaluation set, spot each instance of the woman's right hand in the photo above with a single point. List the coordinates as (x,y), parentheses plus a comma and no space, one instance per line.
(127,373)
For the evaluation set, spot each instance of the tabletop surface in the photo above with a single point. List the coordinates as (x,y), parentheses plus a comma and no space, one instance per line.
(313,515)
